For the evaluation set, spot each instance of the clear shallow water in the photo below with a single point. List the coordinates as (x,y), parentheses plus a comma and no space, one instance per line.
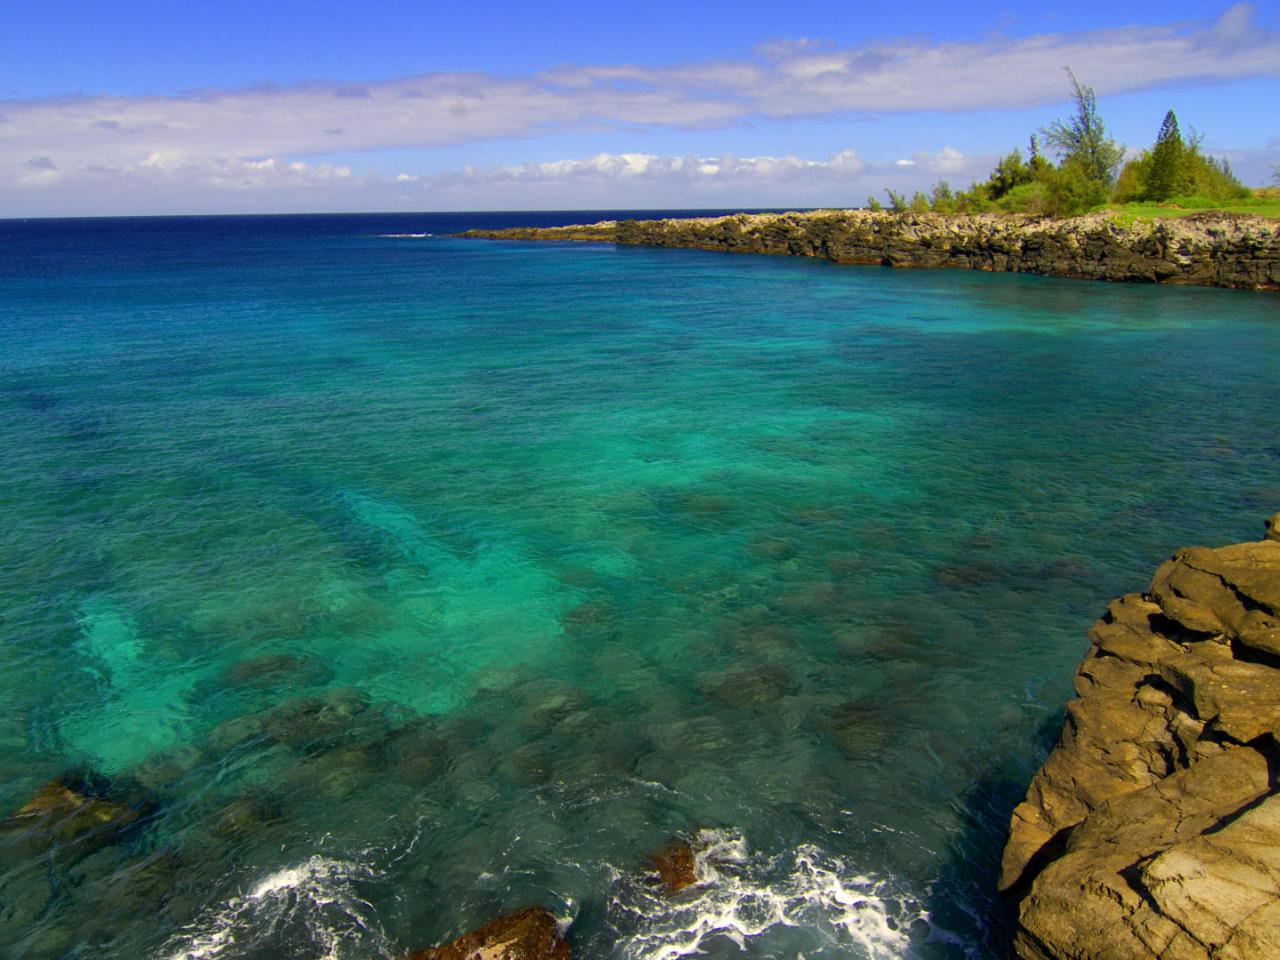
(416,579)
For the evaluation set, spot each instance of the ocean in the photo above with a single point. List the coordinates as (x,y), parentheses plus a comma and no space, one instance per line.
(392,581)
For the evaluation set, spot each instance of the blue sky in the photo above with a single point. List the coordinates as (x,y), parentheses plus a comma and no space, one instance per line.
(149,107)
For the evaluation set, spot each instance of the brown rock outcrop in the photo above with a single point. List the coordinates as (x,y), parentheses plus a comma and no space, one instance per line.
(1153,829)
(526,934)
(674,867)
(1208,249)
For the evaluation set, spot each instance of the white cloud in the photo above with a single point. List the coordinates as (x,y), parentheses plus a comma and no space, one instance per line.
(636,180)
(241,139)
(650,180)
(606,167)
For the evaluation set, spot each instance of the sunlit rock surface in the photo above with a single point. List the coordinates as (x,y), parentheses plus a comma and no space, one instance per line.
(1153,829)
(527,934)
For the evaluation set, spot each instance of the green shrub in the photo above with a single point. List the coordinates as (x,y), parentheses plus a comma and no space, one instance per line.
(1211,177)
(942,199)
(1072,188)
(1131,185)
(1032,198)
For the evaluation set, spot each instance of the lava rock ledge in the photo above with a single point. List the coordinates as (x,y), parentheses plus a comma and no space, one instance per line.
(1153,829)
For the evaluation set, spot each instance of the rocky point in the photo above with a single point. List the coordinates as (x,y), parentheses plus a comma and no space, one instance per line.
(1153,829)
(1207,249)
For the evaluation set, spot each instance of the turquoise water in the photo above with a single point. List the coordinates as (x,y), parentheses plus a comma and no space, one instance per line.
(410,580)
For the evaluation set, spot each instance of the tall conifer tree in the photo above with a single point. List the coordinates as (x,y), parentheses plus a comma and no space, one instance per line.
(1168,159)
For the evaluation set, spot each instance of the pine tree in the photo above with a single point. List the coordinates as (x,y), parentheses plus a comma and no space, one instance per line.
(1168,159)
(1083,143)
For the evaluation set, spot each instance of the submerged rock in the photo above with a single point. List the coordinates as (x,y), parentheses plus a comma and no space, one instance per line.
(1153,829)
(590,616)
(772,548)
(969,573)
(859,728)
(303,720)
(546,702)
(246,814)
(530,933)
(271,669)
(747,685)
(77,809)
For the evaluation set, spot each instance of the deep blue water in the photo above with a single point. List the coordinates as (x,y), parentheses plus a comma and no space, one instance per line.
(402,580)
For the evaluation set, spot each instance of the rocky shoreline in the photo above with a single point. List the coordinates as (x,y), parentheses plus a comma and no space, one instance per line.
(1153,829)
(1209,249)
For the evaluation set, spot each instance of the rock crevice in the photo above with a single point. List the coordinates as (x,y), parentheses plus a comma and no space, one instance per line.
(1153,828)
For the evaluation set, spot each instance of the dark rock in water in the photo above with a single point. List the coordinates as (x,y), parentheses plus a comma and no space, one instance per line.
(767,640)
(304,719)
(705,507)
(747,686)
(163,769)
(974,573)
(419,755)
(247,814)
(674,867)
(131,885)
(819,600)
(1066,568)
(530,765)
(772,548)
(590,616)
(339,771)
(859,729)
(275,668)
(547,702)
(1153,827)
(237,730)
(530,933)
(24,895)
(74,809)
(842,563)
(816,516)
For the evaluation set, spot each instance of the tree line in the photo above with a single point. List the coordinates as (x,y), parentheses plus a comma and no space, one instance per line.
(1090,171)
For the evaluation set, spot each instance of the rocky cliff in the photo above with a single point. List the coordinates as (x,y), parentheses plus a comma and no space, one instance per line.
(1221,250)
(1153,829)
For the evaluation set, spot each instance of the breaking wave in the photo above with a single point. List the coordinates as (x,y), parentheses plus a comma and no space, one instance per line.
(803,904)
(311,910)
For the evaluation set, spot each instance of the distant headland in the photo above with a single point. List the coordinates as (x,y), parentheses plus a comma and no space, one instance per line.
(1217,249)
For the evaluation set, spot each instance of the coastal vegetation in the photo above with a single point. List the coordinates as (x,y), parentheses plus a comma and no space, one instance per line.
(1174,177)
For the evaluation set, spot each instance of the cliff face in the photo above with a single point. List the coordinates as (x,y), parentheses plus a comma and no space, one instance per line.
(1207,250)
(1153,829)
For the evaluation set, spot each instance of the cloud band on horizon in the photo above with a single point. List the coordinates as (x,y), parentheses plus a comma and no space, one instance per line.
(235,138)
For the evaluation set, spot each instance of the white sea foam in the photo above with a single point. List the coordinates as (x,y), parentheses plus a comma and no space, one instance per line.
(805,903)
(311,909)
(403,236)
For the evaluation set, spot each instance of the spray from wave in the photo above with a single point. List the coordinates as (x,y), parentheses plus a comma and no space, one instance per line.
(312,910)
(806,903)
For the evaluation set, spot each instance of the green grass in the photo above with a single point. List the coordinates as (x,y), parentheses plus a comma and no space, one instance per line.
(1267,205)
